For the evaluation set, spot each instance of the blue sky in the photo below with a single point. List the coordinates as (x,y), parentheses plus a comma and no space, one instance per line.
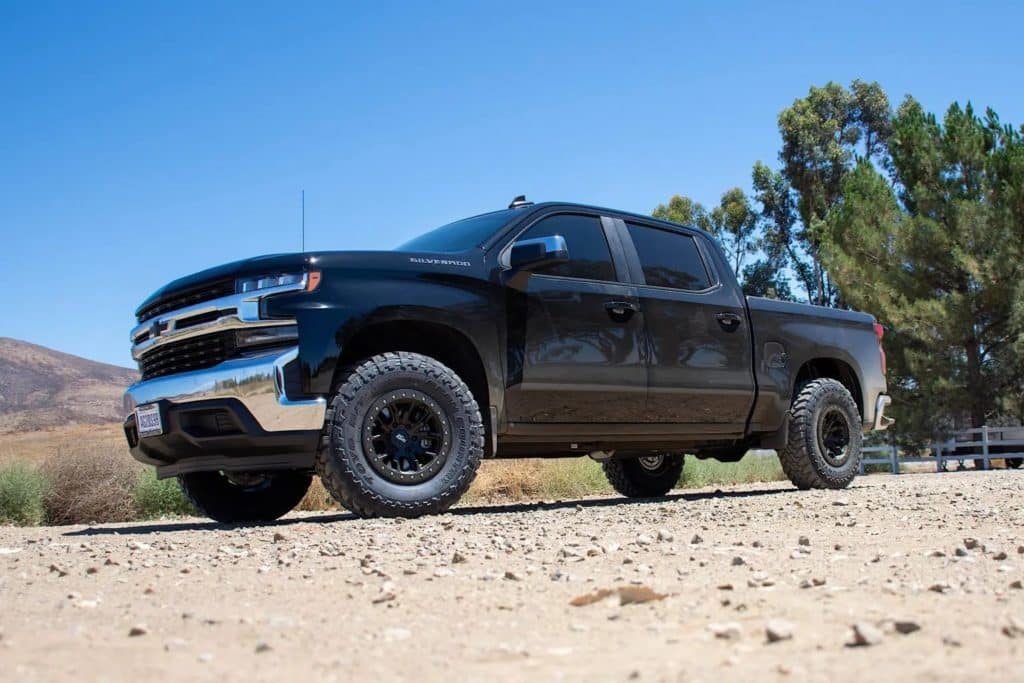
(143,141)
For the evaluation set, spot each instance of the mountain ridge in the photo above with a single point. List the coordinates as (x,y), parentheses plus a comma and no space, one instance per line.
(42,388)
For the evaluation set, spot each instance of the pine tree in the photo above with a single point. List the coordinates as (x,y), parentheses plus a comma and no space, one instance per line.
(935,250)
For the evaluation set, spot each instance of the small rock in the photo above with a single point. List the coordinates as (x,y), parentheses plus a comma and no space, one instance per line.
(458,558)
(385,596)
(644,539)
(951,641)
(778,629)
(726,631)
(60,571)
(1014,629)
(841,502)
(1017,585)
(803,540)
(136,545)
(906,627)
(513,576)
(940,588)
(138,630)
(999,555)
(442,572)
(262,647)
(960,551)
(737,561)
(175,644)
(665,535)
(397,633)
(697,539)
(970,543)
(205,657)
(279,537)
(866,634)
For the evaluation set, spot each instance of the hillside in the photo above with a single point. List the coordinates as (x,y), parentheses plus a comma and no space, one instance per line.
(42,388)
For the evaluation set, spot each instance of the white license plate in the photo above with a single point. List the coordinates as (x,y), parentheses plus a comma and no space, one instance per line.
(147,420)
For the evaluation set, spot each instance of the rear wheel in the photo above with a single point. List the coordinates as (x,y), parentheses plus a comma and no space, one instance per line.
(824,446)
(404,437)
(646,476)
(238,497)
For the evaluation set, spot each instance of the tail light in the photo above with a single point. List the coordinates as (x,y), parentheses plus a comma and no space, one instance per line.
(880,334)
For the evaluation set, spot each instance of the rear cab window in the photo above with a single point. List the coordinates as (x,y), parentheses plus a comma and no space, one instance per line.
(669,259)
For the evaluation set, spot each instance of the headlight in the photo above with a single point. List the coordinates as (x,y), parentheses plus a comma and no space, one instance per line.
(251,284)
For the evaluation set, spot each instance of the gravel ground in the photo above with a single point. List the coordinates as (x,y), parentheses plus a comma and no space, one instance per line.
(912,577)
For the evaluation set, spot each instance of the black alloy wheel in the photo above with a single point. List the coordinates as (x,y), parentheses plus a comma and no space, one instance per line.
(406,437)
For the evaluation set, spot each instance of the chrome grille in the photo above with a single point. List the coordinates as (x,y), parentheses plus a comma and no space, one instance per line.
(186,297)
(196,353)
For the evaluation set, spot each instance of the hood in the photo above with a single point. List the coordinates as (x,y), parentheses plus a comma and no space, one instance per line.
(285,263)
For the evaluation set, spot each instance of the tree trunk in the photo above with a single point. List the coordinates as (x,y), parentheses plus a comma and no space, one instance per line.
(975,385)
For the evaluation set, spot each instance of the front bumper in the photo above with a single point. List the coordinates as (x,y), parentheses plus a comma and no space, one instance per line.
(236,415)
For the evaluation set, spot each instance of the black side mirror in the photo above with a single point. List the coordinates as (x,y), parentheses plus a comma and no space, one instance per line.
(540,251)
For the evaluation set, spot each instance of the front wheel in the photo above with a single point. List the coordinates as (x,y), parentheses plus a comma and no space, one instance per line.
(646,476)
(823,451)
(240,497)
(404,437)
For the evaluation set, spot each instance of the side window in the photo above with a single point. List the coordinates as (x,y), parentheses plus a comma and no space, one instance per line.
(589,256)
(669,259)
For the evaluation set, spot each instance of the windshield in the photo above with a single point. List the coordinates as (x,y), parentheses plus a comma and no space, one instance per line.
(460,235)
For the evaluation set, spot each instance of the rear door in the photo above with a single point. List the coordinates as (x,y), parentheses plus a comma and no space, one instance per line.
(575,332)
(699,369)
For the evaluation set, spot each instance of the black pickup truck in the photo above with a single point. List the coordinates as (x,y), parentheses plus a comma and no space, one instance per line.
(541,330)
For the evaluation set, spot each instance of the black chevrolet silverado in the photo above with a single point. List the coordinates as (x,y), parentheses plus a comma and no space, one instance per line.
(542,330)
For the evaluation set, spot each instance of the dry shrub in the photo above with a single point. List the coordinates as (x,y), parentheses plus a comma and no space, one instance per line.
(317,499)
(92,484)
(502,480)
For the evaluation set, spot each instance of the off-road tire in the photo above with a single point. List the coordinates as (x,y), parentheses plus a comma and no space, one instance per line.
(215,496)
(1013,463)
(803,459)
(630,478)
(343,465)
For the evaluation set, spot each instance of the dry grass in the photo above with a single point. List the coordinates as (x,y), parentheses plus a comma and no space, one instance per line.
(93,478)
(317,499)
(90,485)
(512,480)
(35,447)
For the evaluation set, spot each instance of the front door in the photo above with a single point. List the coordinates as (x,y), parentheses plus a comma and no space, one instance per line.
(575,332)
(699,370)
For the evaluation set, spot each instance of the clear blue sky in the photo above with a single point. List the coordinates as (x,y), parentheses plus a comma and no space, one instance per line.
(143,141)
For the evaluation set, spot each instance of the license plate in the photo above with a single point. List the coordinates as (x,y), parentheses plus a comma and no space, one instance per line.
(147,420)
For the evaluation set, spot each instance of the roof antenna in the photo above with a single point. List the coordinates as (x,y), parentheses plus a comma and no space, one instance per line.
(520,200)
(303,221)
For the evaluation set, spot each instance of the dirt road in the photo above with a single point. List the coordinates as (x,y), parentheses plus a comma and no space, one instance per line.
(484,593)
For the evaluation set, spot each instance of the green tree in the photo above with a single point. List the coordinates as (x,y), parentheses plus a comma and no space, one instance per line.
(935,251)
(823,136)
(734,223)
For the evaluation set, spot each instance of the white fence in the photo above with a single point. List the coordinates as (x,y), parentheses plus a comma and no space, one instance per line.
(983,444)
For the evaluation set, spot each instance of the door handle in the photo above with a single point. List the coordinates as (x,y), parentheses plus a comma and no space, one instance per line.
(620,311)
(729,321)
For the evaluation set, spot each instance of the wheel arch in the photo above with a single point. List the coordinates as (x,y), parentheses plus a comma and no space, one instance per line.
(436,340)
(831,368)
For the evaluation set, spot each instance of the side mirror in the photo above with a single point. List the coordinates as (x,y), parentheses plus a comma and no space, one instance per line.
(540,251)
